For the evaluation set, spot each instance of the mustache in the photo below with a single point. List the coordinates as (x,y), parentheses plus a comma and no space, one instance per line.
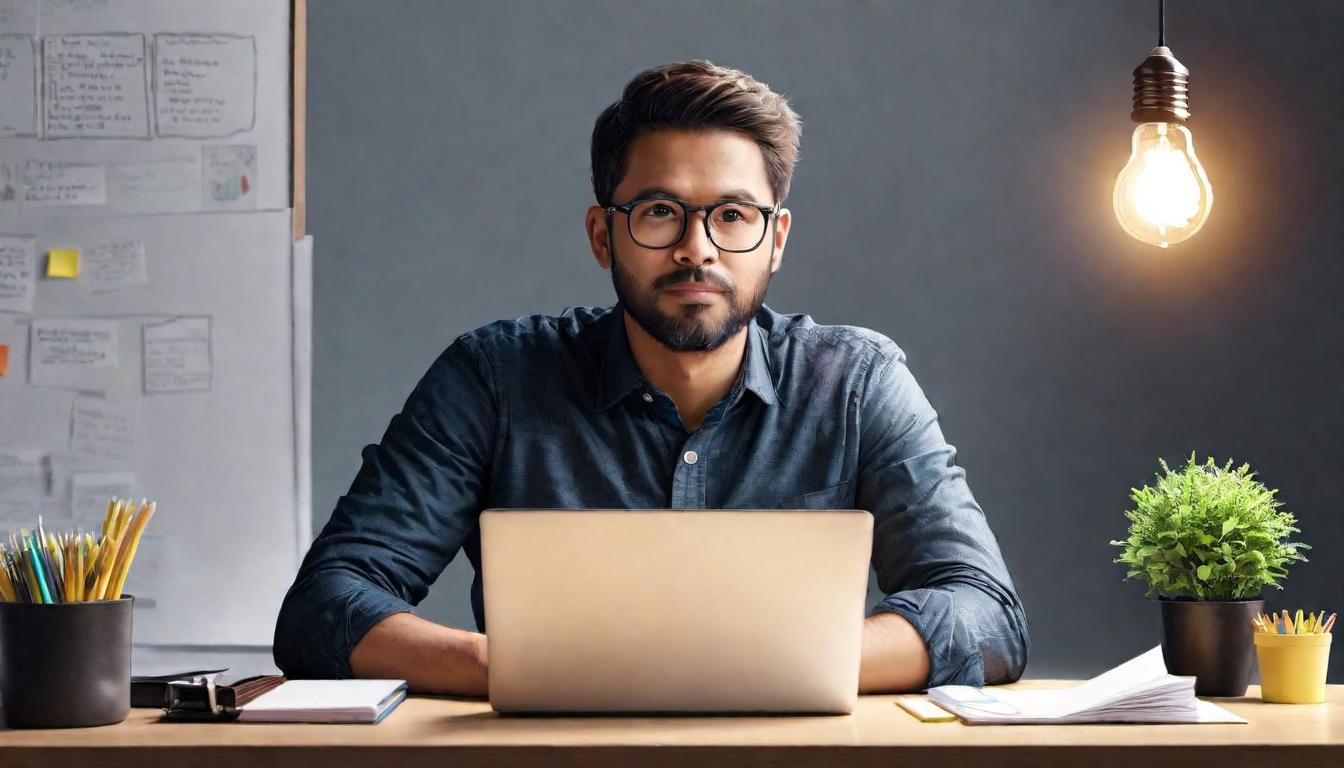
(697,275)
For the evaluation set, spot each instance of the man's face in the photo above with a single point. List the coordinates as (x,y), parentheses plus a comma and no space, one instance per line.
(690,296)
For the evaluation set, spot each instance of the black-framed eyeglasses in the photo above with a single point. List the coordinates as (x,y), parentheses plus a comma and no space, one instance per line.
(733,226)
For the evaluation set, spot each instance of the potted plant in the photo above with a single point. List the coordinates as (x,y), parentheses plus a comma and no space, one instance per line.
(1207,539)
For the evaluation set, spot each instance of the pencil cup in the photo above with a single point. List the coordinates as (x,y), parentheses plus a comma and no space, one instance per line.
(65,665)
(1292,667)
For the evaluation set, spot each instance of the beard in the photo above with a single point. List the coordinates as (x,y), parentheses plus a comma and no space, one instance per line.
(690,328)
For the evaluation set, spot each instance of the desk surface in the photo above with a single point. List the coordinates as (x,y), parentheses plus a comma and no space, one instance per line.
(441,731)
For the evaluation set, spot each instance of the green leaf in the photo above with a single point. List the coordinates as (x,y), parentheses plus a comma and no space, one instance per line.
(1203,572)
(1229,524)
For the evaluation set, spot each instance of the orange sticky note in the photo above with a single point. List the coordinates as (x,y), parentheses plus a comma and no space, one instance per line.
(63,262)
(4,358)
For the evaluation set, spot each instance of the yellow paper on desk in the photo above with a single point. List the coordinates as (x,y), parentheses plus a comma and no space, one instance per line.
(924,710)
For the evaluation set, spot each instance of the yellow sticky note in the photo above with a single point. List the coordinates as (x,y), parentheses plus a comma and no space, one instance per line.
(63,262)
(4,358)
(924,710)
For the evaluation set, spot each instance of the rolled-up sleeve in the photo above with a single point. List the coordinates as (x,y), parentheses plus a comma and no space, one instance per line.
(413,503)
(936,559)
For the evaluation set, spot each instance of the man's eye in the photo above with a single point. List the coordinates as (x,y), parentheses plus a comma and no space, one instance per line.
(731,215)
(659,210)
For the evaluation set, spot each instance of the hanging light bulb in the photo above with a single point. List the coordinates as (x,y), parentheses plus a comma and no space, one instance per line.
(1162,195)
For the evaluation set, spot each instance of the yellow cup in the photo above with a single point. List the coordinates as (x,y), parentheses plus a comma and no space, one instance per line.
(1292,667)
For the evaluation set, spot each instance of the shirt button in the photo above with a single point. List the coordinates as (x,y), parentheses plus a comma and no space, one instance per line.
(647,397)
(690,457)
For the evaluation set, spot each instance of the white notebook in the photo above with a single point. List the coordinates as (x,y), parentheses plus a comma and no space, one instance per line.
(1138,691)
(325,701)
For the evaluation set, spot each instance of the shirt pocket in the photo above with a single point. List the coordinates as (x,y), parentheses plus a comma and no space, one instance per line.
(832,497)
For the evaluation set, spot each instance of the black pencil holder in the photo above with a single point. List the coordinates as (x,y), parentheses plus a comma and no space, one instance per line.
(65,665)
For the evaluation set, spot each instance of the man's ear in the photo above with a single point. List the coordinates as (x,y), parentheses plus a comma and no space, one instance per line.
(782,221)
(595,222)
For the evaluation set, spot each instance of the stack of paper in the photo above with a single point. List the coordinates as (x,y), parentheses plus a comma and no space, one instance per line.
(1138,691)
(325,701)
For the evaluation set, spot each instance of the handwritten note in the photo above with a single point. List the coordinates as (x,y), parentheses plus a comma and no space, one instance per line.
(161,186)
(205,85)
(177,355)
(51,184)
(18,273)
(103,430)
(21,473)
(18,85)
(95,86)
(117,265)
(91,491)
(61,350)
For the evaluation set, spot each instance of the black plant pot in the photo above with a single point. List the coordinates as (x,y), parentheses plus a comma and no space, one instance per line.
(1211,640)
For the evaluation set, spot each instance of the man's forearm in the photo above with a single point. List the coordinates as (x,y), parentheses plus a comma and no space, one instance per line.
(430,657)
(895,658)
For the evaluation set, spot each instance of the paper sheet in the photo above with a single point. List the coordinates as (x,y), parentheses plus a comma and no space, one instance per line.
(70,352)
(239,92)
(104,430)
(23,513)
(62,467)
(52,184)
(161,186)
(205,85)
(95,86)
(91,492)
(177,355)
(230,173)
(18,273)
(18,84)
(116,265)
(21,474)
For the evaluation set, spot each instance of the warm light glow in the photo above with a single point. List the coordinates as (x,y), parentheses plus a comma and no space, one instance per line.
(1162,195)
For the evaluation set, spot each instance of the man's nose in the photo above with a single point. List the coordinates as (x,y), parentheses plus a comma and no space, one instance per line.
(695,247)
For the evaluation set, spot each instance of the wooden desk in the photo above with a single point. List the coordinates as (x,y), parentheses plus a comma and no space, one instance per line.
(457,733)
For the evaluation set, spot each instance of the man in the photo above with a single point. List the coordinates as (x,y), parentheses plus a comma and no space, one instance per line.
(689,393)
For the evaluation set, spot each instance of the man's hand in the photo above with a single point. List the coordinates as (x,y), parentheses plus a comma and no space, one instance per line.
(895,659)
(430,657)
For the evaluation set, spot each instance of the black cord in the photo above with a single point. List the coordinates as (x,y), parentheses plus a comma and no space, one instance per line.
(1161,22)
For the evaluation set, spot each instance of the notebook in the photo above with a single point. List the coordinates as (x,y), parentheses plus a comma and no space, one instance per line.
(1138,691)
(325,701)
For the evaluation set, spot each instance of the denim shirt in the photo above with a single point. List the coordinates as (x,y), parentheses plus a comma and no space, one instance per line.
(553,412)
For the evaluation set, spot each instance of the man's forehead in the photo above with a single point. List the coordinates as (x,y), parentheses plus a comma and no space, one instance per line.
(692,164)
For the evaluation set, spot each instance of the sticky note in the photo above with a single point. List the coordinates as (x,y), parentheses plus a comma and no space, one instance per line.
(924,710)
(4,358)
(63,262)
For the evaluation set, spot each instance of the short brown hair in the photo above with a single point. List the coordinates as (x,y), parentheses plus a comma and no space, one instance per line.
(695,95)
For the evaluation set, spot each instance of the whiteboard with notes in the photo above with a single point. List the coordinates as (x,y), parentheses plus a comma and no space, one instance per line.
(154,311)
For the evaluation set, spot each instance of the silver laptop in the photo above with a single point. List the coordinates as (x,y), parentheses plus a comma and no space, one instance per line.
(675,610)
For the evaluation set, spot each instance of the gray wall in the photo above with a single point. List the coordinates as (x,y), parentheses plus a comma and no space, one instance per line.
(953,193)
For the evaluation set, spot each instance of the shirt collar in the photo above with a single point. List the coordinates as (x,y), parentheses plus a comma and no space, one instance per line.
(619,374)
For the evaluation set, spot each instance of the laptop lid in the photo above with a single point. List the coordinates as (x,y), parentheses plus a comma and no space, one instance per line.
(675,610)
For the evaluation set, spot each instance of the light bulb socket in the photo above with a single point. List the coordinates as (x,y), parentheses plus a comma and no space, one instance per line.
(1161,89)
